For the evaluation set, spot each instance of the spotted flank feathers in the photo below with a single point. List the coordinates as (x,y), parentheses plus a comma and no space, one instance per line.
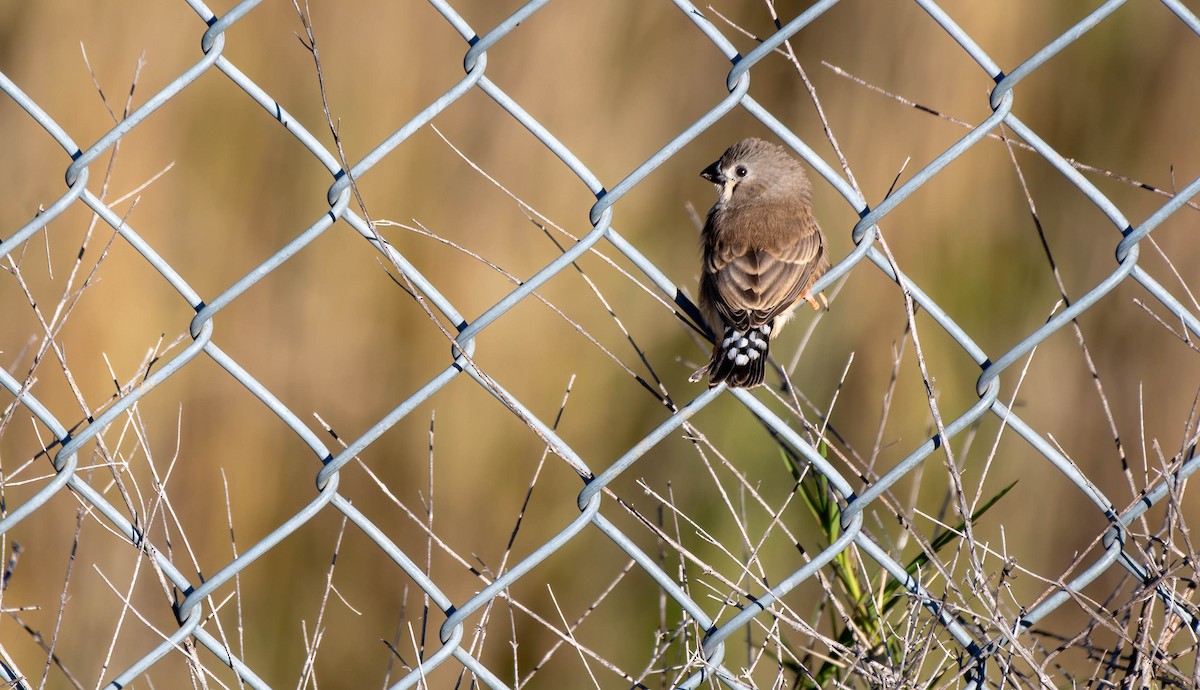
(739,360)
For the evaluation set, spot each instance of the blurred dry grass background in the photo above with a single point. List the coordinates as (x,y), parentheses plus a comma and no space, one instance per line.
(330,333)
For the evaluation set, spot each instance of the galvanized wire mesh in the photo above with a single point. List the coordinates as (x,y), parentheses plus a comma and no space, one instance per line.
(975,652)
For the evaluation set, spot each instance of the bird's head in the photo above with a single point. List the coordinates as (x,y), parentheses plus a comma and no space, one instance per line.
(753,168)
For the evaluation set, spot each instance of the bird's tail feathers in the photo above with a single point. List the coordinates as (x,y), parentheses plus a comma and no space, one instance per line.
(739,359)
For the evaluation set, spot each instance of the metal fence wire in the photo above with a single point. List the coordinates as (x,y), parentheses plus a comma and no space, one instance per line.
(977,654)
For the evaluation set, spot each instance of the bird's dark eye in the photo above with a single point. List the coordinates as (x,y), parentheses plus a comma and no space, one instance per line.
(741,171)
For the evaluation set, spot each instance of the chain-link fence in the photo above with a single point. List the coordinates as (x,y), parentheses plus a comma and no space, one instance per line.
(727,631)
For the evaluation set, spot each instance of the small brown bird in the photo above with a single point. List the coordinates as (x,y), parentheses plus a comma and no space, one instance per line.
(763,250)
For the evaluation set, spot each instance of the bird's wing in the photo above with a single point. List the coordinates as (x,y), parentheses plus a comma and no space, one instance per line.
(751,279)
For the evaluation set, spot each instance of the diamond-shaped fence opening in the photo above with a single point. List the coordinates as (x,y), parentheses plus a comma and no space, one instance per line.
(353,349)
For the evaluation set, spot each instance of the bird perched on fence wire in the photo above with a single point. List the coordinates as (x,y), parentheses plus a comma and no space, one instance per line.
(763,250)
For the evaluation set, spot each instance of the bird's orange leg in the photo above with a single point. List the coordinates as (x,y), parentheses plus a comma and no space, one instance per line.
(808,297)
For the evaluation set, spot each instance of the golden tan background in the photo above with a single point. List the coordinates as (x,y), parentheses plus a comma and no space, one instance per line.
(330,334)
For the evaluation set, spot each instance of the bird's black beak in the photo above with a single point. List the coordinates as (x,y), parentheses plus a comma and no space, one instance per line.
(713,173)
